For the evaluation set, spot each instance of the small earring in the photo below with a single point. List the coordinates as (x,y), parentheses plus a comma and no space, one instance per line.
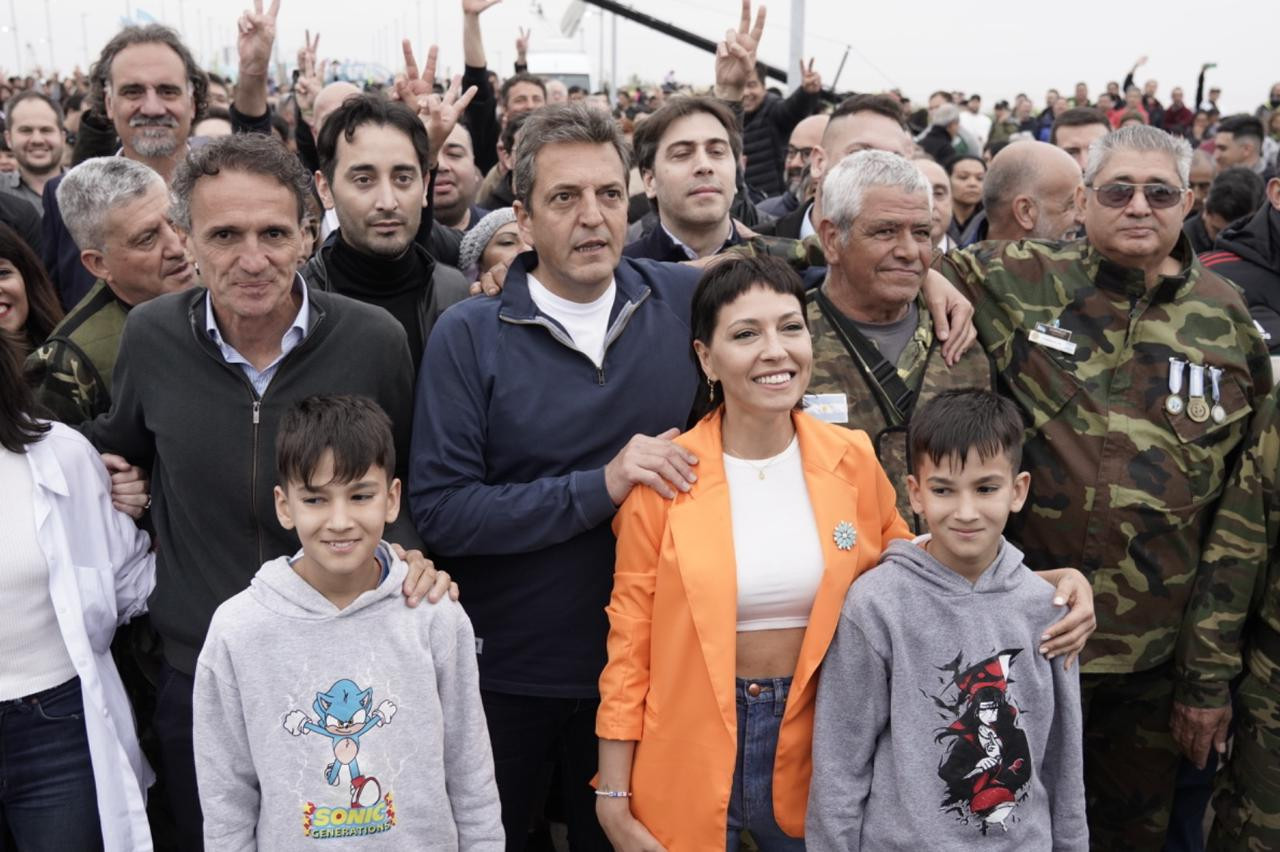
(711,391)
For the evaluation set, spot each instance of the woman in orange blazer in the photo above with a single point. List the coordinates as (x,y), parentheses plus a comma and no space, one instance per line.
(706,723)
(669,716)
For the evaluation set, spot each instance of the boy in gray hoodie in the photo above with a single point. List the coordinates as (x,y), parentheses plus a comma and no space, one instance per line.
(324,708)
(938,725)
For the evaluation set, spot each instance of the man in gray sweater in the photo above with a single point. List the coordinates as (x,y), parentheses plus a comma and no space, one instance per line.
(938,726)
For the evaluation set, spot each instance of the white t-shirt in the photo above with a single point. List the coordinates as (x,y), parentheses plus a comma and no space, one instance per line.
(775,540)
(586,322)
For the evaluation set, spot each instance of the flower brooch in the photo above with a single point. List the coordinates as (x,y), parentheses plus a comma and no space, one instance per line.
(845,535)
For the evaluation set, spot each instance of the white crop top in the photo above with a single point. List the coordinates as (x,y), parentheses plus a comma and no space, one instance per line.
(775,540)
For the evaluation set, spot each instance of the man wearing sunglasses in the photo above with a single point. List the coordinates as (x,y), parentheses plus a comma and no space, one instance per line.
(1137,370)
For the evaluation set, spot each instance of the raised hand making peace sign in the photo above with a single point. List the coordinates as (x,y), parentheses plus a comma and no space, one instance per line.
(439,113)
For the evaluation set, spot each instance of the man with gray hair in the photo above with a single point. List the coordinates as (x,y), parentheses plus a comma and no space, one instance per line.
(1029,193)
(875,357)
(944,126)
(118,212)
(146,90)
(1137,370)
(202,380)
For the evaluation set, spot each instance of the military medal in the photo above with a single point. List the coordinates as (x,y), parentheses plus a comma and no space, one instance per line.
(1218,413)
(1173,404)
(1197,408)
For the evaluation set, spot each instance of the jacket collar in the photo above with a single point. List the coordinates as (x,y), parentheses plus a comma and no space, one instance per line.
(1109,275)
(517,303)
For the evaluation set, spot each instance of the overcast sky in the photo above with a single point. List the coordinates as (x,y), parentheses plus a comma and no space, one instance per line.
(996,47)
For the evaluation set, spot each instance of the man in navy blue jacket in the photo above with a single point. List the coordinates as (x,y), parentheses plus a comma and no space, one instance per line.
(533,419)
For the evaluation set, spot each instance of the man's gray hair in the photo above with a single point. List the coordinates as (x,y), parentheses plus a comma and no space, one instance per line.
(564,124)
(1139,137)
(254,153)
(89,192)
(944,114)
(845,187)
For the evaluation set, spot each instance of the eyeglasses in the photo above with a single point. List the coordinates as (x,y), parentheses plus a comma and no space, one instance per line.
(802,153)
(1159,196)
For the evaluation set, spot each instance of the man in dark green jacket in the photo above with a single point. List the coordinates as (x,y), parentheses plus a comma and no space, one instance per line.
(117,209)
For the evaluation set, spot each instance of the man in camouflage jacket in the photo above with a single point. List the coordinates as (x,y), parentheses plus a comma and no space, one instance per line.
(1128,450)
(117,210)
(1232,631)
(875,357)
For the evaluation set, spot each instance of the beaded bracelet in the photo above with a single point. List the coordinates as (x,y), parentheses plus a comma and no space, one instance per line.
(613,794)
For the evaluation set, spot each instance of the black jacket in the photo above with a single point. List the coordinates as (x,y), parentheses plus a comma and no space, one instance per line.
(1247,252)
(1194,228)
(787,226)
(195,421)
(447,285)
(658,245)
(764,138)
(937,144)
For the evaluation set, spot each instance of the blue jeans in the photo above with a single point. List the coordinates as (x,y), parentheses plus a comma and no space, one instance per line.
(48,802)
(760,707)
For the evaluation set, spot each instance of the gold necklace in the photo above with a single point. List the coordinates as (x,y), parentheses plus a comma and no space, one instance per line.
(758,468)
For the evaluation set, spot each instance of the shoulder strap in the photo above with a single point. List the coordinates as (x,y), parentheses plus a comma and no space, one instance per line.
(896,398)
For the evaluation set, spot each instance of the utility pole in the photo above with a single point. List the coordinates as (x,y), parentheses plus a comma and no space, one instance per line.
(48,33)
(17,44)
(794,74)
(613,76)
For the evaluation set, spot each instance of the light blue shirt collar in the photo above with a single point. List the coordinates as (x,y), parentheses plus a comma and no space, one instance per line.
(294,335)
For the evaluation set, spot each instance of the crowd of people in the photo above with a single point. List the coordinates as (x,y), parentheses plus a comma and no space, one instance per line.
(492,464)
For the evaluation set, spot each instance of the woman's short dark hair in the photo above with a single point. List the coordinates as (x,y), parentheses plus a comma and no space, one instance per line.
(960,158)
(963,419)
(18,425)
(354,428)
(721,285)
(43,310)
(357,111)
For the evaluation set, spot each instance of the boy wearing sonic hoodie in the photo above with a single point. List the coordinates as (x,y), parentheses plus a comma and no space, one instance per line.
(324,707)
(938,725)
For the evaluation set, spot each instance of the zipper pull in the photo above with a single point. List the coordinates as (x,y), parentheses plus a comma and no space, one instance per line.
(257,407)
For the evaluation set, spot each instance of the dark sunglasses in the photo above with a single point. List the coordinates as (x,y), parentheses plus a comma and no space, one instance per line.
(1160,196)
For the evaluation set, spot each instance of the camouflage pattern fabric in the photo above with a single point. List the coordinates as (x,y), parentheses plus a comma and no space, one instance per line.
(1130,759)
(1233,622)
(920,366)
(1120,488)
(1246,803)
(70,373)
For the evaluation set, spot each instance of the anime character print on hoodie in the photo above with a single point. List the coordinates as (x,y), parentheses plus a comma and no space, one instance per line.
(938,724)
(364,725)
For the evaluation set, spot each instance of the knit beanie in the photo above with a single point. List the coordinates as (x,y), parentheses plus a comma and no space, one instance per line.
(477,239)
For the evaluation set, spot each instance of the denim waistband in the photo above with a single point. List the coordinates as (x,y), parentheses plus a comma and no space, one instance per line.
(42,695)
(762,690)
